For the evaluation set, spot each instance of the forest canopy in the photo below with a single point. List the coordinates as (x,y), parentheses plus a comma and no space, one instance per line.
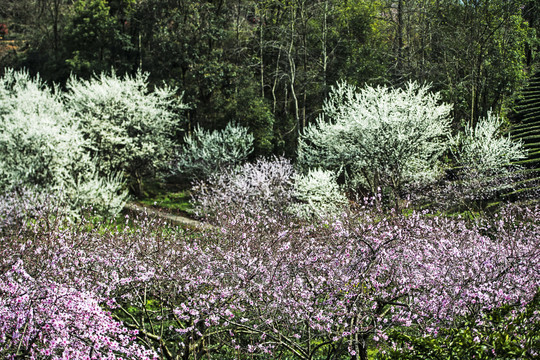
(269,65)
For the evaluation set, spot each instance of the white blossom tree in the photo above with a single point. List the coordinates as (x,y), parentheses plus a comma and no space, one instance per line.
(379,137)
(41,146)
(483,149)
(483,169)
(129,128)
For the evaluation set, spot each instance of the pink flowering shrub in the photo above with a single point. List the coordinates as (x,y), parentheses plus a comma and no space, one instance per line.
(53,283)
(40,318)
(256,285)
(268,188)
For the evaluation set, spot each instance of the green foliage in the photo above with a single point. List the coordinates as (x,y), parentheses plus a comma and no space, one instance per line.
(128,128)
(526,121)
(268,65)
(474,52)
(359,33)
(41,145)
(252,111)
(379,137)
(96,40)
(177,201)
(206,152)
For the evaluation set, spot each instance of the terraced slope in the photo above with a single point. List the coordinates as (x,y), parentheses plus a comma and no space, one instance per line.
(526,127)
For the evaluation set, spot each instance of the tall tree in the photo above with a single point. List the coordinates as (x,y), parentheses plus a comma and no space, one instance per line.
(39,27)
(98,37)
(472,51)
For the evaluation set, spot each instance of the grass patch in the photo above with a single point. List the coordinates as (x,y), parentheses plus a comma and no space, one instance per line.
(167,197)
(175,202)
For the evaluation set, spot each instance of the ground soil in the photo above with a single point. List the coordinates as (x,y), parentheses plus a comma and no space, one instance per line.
(173,218)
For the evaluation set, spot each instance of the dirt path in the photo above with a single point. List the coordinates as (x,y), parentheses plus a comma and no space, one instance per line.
(175,219)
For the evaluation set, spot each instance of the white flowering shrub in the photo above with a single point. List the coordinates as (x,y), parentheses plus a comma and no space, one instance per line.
(206,152)
(317,195)
(268,188)
(378,137)
(128,128)
(483,171)
(28,96)
(482,149)
(41,146)
(262,188)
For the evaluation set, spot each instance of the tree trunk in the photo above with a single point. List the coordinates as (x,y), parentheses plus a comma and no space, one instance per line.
(400,36)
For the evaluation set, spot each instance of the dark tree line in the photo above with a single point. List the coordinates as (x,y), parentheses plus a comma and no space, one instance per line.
(269,64)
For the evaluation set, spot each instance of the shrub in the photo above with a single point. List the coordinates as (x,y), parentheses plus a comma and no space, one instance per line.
(128,129)
(207,152)
(317,195)
(483,170)
(378,137)
(258,189)
(42,146)
(482,149)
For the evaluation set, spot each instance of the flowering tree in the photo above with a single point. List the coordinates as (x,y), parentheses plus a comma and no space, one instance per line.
(345,282)
(41,145)
(128,128)
(379,137)
(268,286)
(484,159)
(40,318)
(254,189)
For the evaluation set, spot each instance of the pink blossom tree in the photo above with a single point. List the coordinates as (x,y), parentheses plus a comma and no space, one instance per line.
(257,285)
(55,283)
(270,287)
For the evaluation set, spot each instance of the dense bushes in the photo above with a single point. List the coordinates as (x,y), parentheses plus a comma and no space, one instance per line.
(128,128)
(392,140)
(317,195)
(482,171)
(88,142)
(42,145)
